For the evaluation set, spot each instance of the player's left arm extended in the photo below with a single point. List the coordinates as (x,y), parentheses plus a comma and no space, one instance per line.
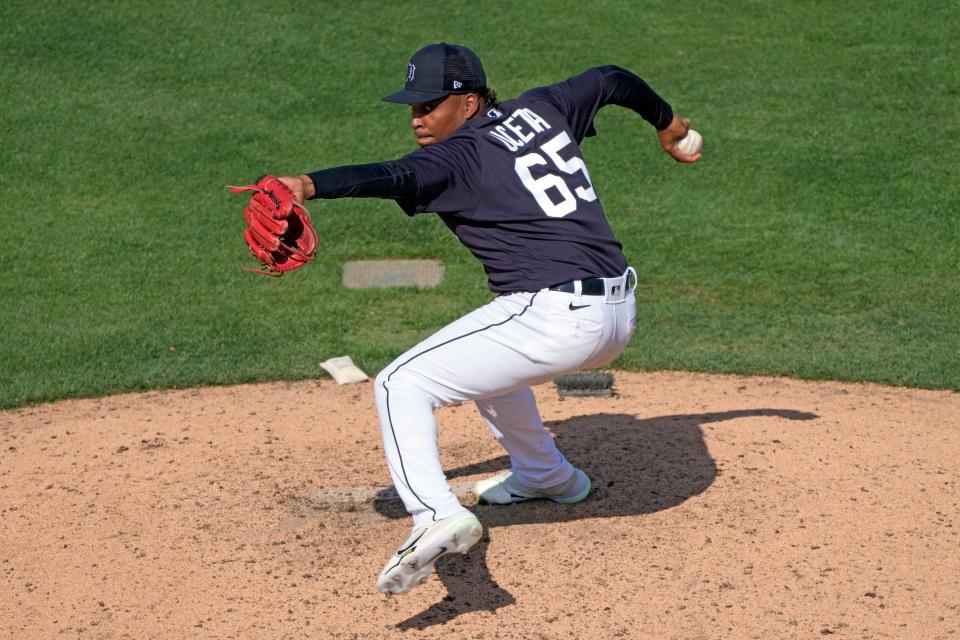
(413,181)
(389,179)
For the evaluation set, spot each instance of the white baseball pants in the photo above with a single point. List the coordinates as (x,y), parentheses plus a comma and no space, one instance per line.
(492,356)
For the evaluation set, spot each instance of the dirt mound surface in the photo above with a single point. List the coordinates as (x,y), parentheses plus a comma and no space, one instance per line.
(723,507)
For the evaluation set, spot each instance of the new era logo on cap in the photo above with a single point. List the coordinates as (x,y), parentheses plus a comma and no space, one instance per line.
(457,84)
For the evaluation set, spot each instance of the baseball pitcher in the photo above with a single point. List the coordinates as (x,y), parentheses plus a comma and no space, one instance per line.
(509,180)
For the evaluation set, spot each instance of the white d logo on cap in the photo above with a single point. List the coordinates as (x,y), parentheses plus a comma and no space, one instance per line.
(411,70)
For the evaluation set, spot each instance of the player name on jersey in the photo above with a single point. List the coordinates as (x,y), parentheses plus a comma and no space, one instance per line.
(512,134)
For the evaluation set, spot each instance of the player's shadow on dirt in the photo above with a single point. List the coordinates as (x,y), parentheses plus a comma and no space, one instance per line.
(637,467)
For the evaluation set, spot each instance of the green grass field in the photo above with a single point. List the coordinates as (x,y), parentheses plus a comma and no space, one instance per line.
(819,237)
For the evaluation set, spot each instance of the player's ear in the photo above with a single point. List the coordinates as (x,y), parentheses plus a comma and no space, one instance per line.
(471,105)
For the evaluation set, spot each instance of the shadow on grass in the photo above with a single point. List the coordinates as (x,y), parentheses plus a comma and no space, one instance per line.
(637,467)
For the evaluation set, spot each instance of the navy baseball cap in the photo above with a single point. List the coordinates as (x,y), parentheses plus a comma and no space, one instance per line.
(437,70)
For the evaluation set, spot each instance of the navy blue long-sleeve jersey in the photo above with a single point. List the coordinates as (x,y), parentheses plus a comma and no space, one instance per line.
(511,182)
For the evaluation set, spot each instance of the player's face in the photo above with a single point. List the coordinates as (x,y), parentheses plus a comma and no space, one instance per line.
(435,120)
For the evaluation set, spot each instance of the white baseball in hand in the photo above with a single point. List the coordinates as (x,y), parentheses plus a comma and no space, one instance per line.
(690,144)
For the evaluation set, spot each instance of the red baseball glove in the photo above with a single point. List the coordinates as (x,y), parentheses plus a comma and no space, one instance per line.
(279,232)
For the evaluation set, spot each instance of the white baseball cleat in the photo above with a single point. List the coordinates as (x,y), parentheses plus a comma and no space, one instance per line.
(414,560)
(505,488)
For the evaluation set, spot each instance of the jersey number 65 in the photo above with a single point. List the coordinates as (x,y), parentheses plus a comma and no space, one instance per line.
(538,186)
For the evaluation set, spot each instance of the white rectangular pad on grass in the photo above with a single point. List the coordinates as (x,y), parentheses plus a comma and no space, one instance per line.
(343,370)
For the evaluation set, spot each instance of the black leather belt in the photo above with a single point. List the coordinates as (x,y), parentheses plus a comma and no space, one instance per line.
(589,287)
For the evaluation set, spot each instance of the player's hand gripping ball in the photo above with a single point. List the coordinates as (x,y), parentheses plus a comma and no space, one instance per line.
(279,232)
(691,143)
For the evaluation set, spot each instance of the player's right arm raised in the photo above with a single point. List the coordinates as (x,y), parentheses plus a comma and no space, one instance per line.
(578,99)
